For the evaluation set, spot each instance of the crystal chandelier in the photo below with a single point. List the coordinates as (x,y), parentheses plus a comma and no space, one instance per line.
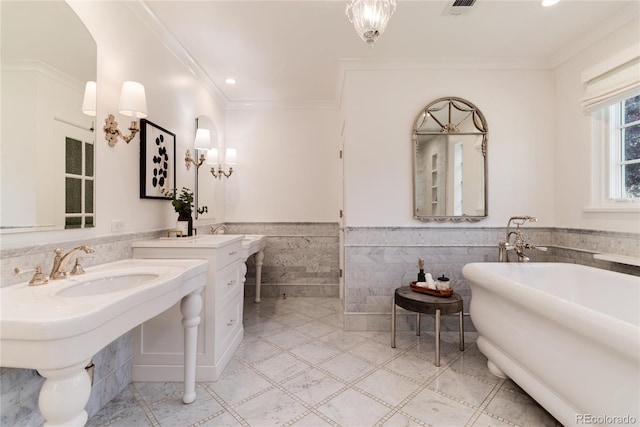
(370,17)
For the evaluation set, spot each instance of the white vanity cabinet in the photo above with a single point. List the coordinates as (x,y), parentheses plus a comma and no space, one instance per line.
(157,354)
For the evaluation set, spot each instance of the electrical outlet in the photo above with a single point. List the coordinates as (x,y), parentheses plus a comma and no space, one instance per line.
(117,225)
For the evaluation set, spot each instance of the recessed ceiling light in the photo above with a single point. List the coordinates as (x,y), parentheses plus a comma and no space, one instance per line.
(547,3)
(230,81)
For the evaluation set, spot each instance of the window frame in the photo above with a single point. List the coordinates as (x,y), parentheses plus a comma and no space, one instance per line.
(606,157)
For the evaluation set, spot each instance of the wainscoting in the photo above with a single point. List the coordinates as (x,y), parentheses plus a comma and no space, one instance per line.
(300,259)
(380,259)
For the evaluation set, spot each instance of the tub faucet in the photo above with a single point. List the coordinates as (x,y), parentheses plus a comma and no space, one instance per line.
(515,240)
(217,229)
(59,270)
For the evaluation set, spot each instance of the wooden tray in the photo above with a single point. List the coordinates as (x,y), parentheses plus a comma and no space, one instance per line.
(436,293)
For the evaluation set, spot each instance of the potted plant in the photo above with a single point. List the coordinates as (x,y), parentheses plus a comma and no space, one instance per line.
(183,205)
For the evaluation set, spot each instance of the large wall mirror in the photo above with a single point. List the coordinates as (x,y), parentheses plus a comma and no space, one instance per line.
(47,143)
(450,162)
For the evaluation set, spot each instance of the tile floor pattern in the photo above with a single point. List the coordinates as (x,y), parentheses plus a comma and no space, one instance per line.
(297,367)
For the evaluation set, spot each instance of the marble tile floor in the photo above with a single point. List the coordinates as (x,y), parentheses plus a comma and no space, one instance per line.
(297,367)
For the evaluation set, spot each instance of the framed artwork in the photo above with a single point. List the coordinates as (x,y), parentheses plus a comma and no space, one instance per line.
(157,161)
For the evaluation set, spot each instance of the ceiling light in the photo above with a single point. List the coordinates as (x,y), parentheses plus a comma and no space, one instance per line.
(547,3)
(230,81)
(370,17)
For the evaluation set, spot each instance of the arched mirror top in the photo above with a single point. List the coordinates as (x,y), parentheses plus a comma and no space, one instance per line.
(450,115)
(450,172)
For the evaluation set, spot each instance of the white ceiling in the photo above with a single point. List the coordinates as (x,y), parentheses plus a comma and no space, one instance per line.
(294,52)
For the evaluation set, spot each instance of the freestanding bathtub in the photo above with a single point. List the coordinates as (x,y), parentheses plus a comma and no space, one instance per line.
(568,334)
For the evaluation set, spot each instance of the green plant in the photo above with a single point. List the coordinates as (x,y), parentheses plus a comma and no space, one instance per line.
(183,204)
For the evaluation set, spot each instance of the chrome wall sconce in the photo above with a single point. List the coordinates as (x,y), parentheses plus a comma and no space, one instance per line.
(230,158)
(133,103)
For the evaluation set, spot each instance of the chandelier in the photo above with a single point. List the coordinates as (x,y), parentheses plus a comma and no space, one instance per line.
(370,17)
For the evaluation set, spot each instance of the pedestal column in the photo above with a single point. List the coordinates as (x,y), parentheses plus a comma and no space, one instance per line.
(64,395)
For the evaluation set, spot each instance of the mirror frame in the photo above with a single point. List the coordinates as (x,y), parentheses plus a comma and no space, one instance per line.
(449,128)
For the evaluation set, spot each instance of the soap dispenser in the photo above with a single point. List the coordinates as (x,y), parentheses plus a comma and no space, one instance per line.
(421,275)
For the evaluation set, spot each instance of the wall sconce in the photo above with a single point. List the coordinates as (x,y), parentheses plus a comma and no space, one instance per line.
(231,158)
(89,101)
(202,143)
(133,103)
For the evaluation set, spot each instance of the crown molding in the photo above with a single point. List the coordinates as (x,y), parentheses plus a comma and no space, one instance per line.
(169,40)
(269,105)
(37,66)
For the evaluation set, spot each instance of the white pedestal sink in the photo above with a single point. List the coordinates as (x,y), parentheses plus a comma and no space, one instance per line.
(56,328)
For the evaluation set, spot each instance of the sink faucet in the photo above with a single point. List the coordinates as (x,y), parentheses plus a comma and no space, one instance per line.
(519,244)
(59,270)
(217,229)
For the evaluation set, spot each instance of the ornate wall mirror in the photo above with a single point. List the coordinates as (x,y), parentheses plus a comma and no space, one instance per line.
(47,162)
(450,162)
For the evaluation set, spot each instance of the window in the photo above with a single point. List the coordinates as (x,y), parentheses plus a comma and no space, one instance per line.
(624,145)
(616,156)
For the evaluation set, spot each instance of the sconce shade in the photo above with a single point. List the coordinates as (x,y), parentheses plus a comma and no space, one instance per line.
(89,100)
(133,102)
(231,156)
(203,139)
(212,156)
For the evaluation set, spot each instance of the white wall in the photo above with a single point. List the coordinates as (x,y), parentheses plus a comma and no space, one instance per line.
(127,50)
(572,151)
(288,165)
(289,169)
(380,107)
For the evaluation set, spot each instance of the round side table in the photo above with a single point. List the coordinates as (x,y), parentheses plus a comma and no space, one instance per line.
(426,304)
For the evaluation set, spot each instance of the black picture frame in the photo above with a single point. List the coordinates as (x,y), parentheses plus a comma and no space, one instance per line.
(157,161)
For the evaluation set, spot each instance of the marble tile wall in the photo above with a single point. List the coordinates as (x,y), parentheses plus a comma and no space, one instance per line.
(300,259)
(19,388)
(578,246)
(107,249)
(380,259)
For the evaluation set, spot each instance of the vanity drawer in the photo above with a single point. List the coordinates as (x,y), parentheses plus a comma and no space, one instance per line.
(228,254)
(228,282)
(228,323)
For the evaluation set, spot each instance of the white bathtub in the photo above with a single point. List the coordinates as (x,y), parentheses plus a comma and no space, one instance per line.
(568,334)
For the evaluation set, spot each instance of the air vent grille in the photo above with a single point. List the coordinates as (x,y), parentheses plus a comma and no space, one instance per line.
(458,7)
(463,3)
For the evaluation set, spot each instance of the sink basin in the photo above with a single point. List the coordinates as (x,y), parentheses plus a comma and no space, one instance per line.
(107,285)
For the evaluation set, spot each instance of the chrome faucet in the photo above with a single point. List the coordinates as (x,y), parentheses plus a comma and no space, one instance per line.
(519,244)
(217,229)
(59,270)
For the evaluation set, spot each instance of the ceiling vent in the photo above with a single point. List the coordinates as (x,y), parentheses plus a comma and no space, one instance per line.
(458,7)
